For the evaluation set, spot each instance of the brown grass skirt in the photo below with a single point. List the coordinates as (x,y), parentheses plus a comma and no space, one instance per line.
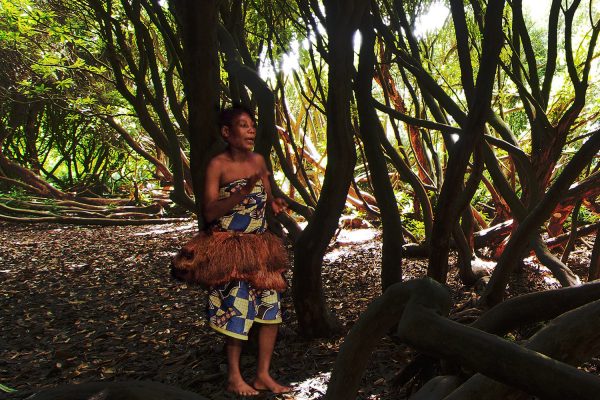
(214,258)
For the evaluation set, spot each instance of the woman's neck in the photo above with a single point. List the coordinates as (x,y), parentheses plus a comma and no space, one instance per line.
(238,155)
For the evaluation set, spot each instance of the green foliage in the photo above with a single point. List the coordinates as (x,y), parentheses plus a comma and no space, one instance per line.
(131,174)
(14,193)
(7,389)
(586,216)
(414,226)
(517,121)
(410,220)
(482,197)
(54,63)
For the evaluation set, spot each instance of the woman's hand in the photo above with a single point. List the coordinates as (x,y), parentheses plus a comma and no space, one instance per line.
(278,205)
(250,183)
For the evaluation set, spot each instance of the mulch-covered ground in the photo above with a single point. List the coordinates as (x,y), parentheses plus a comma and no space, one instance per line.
(80,304)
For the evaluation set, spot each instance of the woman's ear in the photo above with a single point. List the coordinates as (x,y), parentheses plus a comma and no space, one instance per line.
(225,132)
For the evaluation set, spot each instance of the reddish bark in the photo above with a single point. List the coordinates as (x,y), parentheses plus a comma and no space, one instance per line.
(386,81)
(586,190)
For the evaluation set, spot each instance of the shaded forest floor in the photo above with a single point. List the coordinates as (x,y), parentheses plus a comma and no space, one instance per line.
(81,304)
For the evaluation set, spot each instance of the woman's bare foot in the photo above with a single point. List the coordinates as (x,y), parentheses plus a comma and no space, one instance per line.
(240,387)
(268,383)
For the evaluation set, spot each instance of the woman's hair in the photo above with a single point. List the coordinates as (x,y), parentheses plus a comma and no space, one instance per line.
(229,114)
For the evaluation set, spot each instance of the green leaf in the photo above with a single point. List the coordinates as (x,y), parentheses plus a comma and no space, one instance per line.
(6,389)
(65,83)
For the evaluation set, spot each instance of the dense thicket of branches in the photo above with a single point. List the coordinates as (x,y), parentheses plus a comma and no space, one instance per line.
(480,132)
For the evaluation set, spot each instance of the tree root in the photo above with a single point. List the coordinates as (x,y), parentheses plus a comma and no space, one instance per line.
(536,307)
(76,213)
(571,338)
(418,306)
(92,221)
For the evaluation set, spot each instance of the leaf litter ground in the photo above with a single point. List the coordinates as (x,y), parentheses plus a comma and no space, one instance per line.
(81,304)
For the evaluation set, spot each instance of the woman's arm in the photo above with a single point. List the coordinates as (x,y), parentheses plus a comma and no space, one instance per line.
(277,204)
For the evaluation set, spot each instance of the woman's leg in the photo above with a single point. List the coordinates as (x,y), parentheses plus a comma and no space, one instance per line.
(266,344)
(235,381)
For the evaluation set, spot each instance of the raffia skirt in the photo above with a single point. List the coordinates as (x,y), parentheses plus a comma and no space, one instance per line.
(213,258)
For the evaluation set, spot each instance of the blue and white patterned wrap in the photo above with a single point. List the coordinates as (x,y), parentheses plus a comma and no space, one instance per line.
(248,216)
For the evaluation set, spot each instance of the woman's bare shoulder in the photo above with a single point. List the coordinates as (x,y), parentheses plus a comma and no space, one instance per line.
(218,160)
(258,159)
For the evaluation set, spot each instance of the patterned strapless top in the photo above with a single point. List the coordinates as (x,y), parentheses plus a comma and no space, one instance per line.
(248,216)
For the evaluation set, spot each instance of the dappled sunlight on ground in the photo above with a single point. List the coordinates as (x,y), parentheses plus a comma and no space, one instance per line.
(545,274)
(364,237)
(356,236)
(313,387)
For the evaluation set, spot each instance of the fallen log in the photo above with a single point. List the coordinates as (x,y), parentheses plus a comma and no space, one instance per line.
(493,234)
(582,231)
(92,221)
(51,210)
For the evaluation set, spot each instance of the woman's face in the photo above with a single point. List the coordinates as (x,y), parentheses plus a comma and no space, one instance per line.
(241,134)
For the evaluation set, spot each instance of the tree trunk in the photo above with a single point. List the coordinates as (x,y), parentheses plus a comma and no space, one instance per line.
(161,168)
(314,319)
(465,255)
(198,23)
(583,231)
(388,85)
(588,188)
(15,171)
(535,307)
(594,271)
(377,320)
(449,208)
(413,180)
(370,130)
(520,239)
(561,272)
(418,308)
